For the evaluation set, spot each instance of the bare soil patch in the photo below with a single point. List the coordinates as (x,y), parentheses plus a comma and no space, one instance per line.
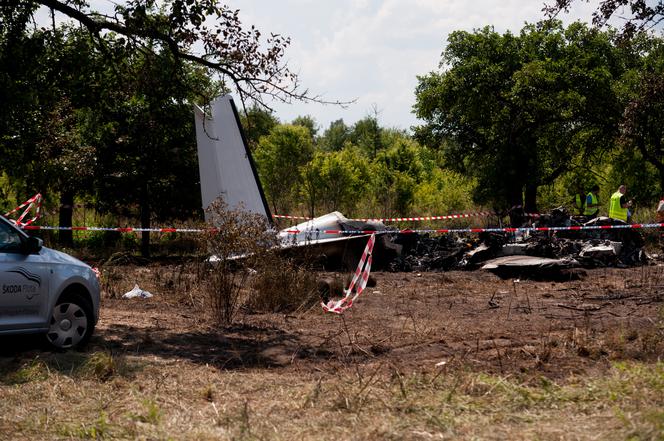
(414,321)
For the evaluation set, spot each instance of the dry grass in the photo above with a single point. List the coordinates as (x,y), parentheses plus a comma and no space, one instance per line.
(181,400)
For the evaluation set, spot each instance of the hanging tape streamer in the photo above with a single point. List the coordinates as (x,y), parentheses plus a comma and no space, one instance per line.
(35,200)
(358,283)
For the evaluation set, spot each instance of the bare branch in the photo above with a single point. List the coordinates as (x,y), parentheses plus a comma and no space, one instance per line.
(228,48)
(642,16)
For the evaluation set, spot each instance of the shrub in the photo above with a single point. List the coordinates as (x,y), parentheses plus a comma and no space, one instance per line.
(283,285)
(241,241)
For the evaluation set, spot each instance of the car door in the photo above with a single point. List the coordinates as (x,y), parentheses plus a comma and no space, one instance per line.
(24,283)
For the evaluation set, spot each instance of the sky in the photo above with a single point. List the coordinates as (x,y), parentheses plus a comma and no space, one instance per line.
(371,51)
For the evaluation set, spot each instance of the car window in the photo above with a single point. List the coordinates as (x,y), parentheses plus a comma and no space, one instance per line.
(10,239)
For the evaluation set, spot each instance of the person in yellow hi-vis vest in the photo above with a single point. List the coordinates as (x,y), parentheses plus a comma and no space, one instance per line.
(619,205)
(579,201)
(592,203)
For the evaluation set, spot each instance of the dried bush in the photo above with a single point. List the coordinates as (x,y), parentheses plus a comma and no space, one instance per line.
(241,241)
(111,278)
(283,285)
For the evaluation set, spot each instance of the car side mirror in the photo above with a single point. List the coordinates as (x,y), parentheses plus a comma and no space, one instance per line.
(32,245)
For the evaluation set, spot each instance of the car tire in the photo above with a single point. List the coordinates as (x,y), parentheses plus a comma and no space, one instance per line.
(71,324)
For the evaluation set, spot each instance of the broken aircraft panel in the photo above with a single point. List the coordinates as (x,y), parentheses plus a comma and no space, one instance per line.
(531,267)
(334,250)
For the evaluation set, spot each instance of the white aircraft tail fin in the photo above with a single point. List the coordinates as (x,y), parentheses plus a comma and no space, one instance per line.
(224,160)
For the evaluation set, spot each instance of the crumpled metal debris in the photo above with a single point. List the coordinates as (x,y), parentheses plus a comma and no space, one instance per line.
(534,267)
(425,253)
(586,248)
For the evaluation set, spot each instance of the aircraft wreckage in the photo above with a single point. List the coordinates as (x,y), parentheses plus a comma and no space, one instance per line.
(227,169)
(335,242)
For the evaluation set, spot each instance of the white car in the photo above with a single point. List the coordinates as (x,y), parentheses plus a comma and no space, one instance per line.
(45,291)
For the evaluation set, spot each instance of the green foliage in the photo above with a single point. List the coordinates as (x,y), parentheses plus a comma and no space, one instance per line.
(539,113)
(336,180)
(279,157)
(366,134)
(640,176)
(396,172)
(643,92)
(257,122)
(104,124)
(149,153)
(403,177)
(334,138)
(102,109)
(443,192)
(309,123)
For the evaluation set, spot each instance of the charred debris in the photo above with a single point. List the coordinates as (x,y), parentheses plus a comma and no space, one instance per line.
(550,255)
(558,255)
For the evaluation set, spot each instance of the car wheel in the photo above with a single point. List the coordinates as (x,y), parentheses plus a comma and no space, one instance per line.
(71,323)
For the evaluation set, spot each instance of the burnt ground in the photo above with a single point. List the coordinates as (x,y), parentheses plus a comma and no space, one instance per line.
(411,321)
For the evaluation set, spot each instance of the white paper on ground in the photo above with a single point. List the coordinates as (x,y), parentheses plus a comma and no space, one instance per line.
(137,292)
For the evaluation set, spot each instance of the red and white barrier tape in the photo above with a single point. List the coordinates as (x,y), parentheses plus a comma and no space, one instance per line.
(360,278)
(294,231)
(121,229)
(35,200)
(492,230)
(410,219)
(288,216)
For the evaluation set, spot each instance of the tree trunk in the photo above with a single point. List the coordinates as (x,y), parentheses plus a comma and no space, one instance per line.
(515,200)
(661,182)
(145,220)
(531,198)
(312,204)
(66,212)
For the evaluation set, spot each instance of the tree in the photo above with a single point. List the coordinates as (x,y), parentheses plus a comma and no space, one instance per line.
(396,172)
(204,32)
(336,180)
(22,80)
(642,125)
(49,82)
(513,111)
(335,136)
(125,127)
(257,122)
(67,161)
(279,157)
(642,121)
(149,155)
(644,15)
(366,134)
(176,35)
(308,122)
